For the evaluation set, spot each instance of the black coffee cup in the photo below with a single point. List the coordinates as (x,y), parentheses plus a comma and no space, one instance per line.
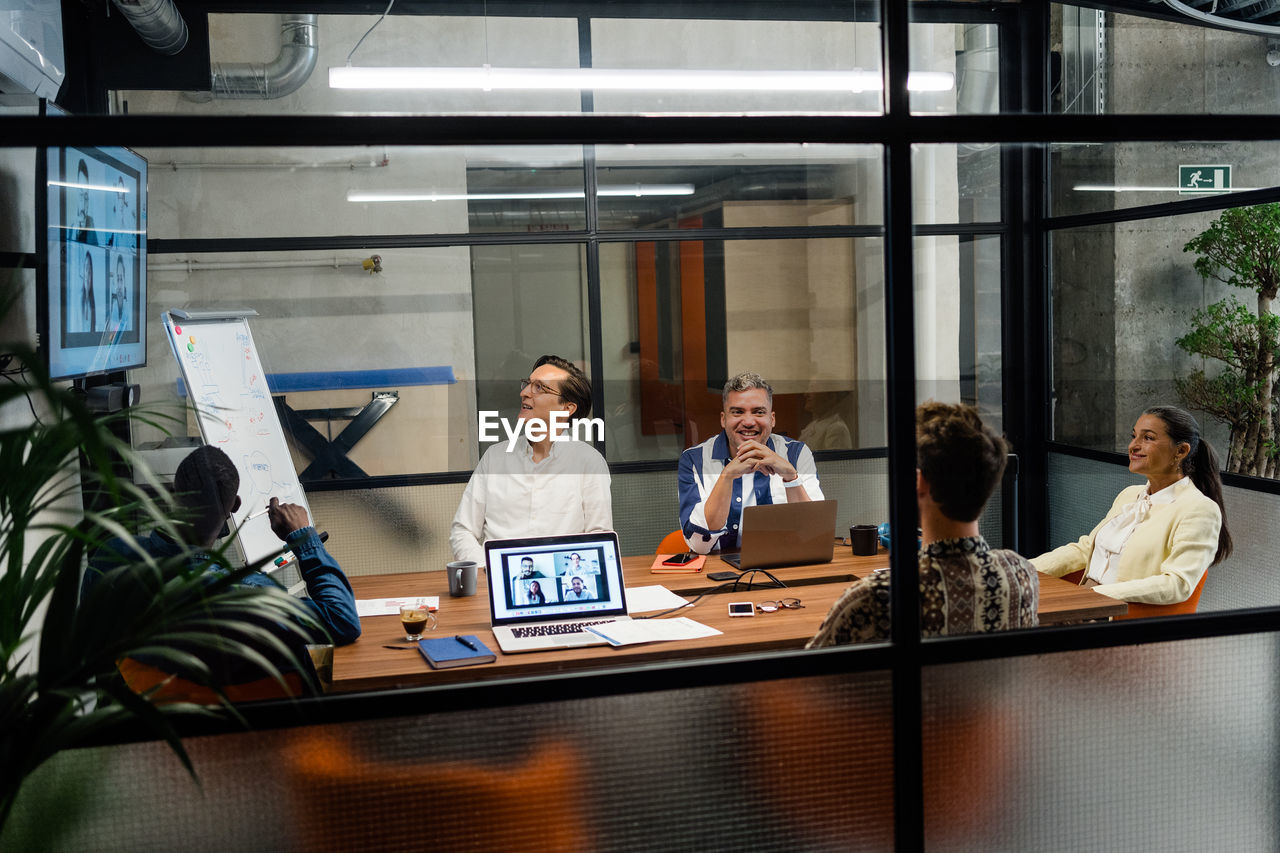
(865,539)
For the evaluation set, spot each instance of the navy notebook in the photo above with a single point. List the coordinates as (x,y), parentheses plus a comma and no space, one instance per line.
(444,652)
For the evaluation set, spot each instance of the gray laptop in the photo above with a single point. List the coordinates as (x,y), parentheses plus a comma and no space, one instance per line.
(790,534)
(544,590)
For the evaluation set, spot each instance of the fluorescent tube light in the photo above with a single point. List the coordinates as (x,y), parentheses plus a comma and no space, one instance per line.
(927,81)
(634,190)
(639,190)
(487,78)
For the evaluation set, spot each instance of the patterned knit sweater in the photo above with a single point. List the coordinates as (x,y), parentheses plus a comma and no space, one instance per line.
(966,587)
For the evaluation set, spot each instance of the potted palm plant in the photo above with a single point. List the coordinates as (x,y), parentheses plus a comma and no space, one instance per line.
(58,657)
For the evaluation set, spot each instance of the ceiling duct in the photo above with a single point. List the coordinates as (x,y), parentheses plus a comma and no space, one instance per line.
(978,79)
(284,75)
(978,71)
(158,22)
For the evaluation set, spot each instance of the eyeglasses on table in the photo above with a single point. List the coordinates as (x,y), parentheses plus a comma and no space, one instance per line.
(780,604)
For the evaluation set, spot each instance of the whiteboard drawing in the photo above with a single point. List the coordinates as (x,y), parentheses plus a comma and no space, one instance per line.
(257,470)
(215,416)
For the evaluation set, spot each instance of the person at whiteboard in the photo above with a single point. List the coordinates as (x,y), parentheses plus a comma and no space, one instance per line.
(206,485)
(537,485)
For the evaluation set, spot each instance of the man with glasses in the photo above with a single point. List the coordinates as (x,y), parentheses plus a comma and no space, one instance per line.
(540,487)
(966,586)
(744,465)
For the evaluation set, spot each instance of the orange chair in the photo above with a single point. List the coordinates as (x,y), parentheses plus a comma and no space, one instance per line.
(672,543)
(351,798)
(1146,611)
(169,688)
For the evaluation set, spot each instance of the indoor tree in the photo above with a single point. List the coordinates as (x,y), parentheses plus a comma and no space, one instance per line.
(1240,248)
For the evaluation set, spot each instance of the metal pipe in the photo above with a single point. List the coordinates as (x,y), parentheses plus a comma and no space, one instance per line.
(158,22)
(336,165)
(284,75)
(978,71)
(372,264)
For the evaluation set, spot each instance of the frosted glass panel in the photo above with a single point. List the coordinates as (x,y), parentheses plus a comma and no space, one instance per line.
(784,765)
(1156,747)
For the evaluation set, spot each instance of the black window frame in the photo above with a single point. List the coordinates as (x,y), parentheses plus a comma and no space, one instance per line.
(1025,315)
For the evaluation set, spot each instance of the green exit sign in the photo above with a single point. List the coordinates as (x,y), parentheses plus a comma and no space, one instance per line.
(1204,179)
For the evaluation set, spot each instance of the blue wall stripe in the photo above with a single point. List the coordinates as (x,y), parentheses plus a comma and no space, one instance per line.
(280,383)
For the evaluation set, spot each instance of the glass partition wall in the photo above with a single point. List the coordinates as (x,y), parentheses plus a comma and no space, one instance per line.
(867,248)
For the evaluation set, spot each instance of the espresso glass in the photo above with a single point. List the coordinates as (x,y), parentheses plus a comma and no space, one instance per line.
(416,620)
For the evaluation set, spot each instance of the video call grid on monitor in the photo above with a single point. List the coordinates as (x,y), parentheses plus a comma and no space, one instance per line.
(535,578)
(96,212)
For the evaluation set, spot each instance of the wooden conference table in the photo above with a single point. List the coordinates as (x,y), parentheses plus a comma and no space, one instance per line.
(368,665)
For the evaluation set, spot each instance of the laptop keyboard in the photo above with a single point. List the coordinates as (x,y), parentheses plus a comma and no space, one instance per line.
(557,628)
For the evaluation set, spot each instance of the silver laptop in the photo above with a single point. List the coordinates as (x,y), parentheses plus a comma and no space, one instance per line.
(544,590)
(790,534)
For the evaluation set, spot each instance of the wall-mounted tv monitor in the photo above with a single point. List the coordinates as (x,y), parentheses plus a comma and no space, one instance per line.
(93,293)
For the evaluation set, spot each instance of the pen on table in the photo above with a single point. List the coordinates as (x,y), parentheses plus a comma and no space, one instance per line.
(466,642)
(400,647)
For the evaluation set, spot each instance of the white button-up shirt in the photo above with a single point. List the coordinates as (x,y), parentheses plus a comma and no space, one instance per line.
(510,496)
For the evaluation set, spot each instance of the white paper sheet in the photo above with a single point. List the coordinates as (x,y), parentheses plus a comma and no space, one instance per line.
(643,599)
(652,630)
(391,606)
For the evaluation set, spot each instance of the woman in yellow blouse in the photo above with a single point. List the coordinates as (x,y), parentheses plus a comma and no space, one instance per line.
(1158,540)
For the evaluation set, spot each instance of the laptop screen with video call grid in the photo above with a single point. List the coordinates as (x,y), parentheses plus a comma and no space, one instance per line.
(555,577)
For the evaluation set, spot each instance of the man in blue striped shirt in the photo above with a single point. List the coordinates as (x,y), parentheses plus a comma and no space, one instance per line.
(745,464)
